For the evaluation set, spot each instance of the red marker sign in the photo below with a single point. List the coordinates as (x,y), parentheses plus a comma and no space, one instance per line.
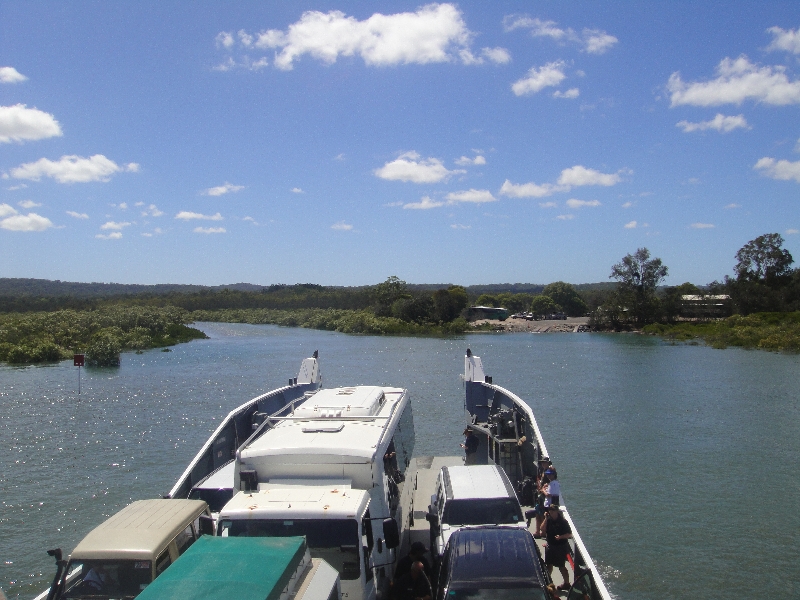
(78,360)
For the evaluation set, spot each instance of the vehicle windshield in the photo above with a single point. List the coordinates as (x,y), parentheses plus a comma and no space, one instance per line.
(525,593)
(487,511)
(108,578)
(334,540)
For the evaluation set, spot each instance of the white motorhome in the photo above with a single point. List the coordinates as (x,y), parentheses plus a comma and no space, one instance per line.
(332,471)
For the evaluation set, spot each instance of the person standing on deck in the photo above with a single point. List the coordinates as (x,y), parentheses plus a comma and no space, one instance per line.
(557,532)
(414,585)
(470,447)
(553,489)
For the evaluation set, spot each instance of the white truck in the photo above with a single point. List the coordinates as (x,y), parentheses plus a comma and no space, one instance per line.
(332,471)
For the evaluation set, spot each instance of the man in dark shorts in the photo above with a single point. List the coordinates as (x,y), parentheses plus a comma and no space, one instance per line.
(557,531)
(470,447)
(415,554)
(414,585)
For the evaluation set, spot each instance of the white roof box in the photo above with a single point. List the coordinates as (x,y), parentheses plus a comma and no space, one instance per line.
(362,401)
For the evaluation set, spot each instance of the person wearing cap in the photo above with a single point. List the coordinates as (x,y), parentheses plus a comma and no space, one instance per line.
(557,532)
(553,489)
(415,554)
(470,447)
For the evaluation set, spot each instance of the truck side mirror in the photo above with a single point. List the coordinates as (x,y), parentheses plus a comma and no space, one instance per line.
(391,535)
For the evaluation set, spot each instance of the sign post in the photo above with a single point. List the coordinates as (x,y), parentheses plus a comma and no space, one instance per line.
(78,361)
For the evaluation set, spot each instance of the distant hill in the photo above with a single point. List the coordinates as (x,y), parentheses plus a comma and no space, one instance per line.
(44,287)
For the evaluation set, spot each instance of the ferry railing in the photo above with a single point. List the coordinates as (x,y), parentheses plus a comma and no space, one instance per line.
(186,481)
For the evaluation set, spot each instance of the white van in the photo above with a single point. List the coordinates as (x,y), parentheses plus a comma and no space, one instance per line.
(471,495)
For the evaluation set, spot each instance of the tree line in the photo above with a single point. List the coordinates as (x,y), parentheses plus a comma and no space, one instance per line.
(763,281)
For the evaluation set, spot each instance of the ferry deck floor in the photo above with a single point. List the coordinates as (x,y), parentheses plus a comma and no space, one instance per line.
(427,469)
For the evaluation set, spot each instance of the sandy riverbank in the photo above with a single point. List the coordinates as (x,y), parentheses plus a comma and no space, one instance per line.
(571,325)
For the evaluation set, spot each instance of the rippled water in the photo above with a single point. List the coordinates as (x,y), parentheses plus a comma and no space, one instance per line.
(678,463)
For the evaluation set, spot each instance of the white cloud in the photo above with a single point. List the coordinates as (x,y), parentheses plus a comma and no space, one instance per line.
(72,169)
(77,215)
(530,190)
(114,225)
(458,226)
(28,204)
(152,211)
(781,169)
(631,225)
(575,203)
(501,56)
(339,157)
(426,203)
(466,161)
(115,235)
(19,123)
(627,204)
(597,41)
(250,219)
(409,167)
(548,204)
(224,39)
(122,206)
(733,205)
(569,94)
(565,217)
(11,75)
(6,210)
(785,40)
(737,80)
(29,222)
(435,33)
(720,123)
(701,226)
(297,190)
(342,226)
(593,41)
(209,230)
(580,175)
(220,190)
(13,188)
(185,215)
(146,234)
(472,195)
(536,80)
(792,231)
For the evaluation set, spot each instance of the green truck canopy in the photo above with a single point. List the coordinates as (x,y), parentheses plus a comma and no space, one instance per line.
(241,568)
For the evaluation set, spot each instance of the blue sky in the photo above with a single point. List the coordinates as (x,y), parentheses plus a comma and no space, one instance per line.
(340,143)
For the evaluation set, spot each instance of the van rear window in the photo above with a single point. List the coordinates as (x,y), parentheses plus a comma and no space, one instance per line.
(489,511)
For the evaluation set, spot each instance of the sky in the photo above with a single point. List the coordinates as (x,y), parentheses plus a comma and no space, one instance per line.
(339,143)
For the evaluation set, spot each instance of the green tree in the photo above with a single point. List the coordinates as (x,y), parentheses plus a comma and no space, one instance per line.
(764,260)
(764,276)
(567,297)
(387,293)
(543,305)
(487,300)
(448,304)
(637,277)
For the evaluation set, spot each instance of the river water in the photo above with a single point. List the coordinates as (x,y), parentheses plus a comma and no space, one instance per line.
(678,462)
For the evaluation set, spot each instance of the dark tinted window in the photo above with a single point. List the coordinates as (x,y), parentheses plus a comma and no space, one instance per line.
(117,578)
(492,511)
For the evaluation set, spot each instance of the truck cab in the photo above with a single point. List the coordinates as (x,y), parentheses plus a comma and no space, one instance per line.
(467,496)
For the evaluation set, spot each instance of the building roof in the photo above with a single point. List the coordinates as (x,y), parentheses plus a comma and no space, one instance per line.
(139,530)
(221,568)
